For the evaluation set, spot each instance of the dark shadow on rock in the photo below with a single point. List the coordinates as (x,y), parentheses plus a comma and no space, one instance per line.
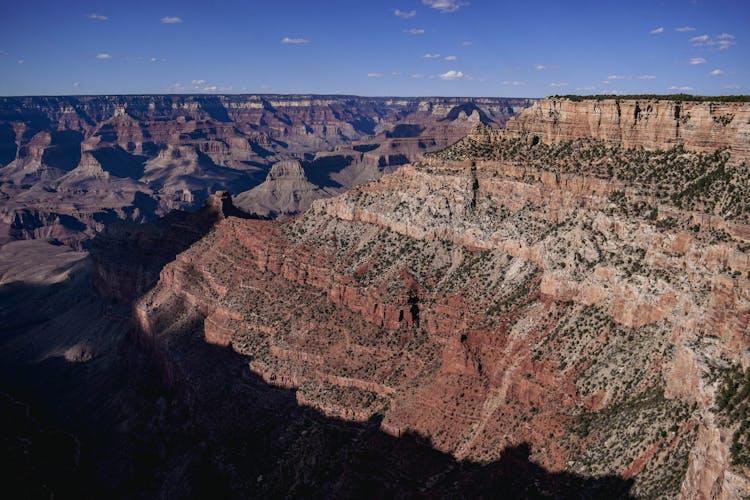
(319,170)
(214,108)
(40,461)
(365,148)
(176,417)
(180,418)
(364,125)
(120,163)
(260,443)
(260,150)
(64,151)
(404,130)
(7,144)
(226,179)
(128,256)
(467,108)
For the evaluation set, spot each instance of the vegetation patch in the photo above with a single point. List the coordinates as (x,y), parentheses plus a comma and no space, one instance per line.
(733,404)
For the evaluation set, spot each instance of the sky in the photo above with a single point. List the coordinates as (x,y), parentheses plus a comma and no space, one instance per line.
(522,48)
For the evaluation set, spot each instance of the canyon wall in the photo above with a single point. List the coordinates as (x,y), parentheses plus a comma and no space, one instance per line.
(648,123)
(499,292)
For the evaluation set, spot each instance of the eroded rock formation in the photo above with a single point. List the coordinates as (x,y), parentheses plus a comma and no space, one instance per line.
(69,166)
(520,292)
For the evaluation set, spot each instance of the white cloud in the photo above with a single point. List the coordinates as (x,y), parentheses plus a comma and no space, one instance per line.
(76,84)
(657,31)
(171,20)
(431,56)
(444,5)
(646,77)
(374,75)
(544,67)
(467,44)
(514,83)
(103,55)
(97,17)
(700,40)
(404,14)
(198,82)
(141,58)
(415,31)
(716,72)
(454,75)
(616,77)
(210,88)
(585,89)
(697,60)
(295,41)
(673,87)
(731,87)
(685,29)
(20,61)
(725,41)
(418,75)
(450,58)
(3,53)
(396,73)
(558,84)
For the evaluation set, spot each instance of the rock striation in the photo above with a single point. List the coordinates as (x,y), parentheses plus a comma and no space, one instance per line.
(647,123)
(502,291)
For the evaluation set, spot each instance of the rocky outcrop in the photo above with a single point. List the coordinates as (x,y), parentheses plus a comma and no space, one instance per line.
(285,191)
(633,123)
(482,303)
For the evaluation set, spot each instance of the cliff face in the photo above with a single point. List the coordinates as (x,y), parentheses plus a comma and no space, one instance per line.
(651,124)
(127,258)
(285,191)
(98,159)
(498,298)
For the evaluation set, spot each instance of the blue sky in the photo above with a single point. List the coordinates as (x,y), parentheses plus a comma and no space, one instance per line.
(402,47)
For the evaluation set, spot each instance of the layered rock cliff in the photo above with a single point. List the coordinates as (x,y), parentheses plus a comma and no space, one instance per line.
(582,297)
(648,123)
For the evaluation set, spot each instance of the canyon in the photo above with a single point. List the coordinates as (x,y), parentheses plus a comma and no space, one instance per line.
(70,166)
(556,307)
